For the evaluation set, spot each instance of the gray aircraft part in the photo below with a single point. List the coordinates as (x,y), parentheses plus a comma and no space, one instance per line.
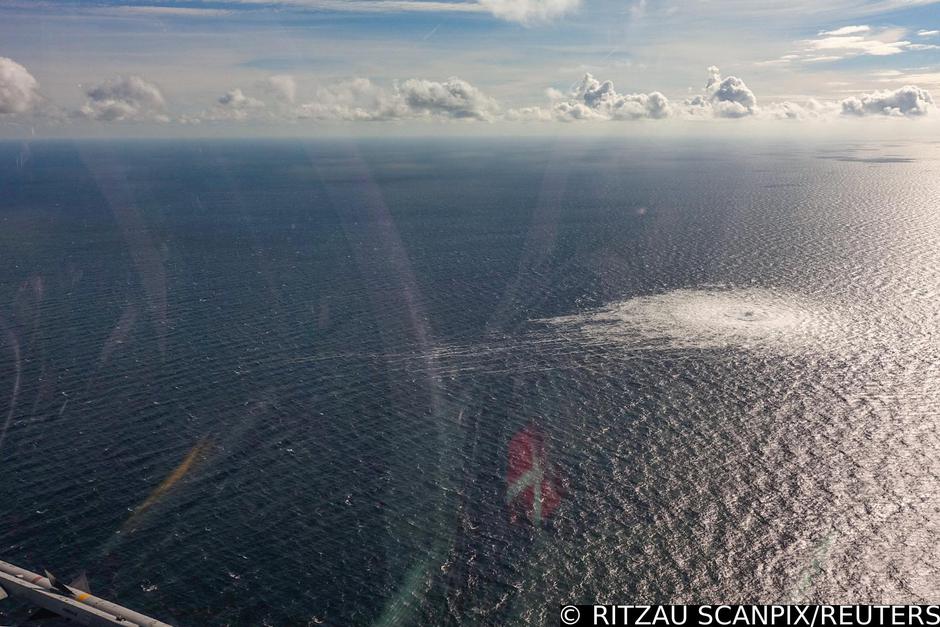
(69,602)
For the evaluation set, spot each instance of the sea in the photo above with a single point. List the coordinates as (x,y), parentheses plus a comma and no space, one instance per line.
(253,382)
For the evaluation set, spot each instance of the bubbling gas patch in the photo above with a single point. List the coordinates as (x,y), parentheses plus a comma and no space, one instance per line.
(711,317)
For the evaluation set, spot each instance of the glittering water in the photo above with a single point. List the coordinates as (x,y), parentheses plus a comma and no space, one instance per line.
(275,383)
(713,317)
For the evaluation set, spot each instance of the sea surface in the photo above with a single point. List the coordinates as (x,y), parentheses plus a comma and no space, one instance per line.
(276,383)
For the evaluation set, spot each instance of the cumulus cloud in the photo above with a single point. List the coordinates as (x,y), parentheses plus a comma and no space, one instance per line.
(272,99)
(125,98)
(236,99)
(234,105)
(283,87)
(592,99)
(731,98)
(528,11)
(727,97)
(909,100)
(812,109)
(354,99)
(19,91)
(529,114)
(361,99)
(453,98)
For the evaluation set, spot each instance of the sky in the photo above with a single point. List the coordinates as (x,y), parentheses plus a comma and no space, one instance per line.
(129,68)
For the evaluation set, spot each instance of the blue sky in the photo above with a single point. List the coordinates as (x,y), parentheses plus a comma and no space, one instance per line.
(115,66)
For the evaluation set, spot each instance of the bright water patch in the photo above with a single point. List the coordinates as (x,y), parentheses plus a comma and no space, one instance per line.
(712,317)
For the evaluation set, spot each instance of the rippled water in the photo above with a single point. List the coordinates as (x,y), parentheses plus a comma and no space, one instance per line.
(276,383)
(714,317)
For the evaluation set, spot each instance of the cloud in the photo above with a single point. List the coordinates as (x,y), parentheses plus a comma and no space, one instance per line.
(19,91)
(723,97)
(235,99)
(234,105)
(274,100)
(823,58)
(353,99)
(283,87)
(851,41)
(812,109)
(125,98)
(361,99)
(357,6)
(727,97)
(928,33)
(909,100)
(846,30)
(914,77)
(731,98)
(453,98)
(158,11)
(521,11)
(592,99)
(858,45)
(529,114)
(528,11)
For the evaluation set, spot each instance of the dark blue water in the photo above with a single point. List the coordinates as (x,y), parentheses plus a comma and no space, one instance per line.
(275,383)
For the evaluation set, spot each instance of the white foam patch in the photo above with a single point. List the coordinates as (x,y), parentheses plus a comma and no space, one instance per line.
(710,318)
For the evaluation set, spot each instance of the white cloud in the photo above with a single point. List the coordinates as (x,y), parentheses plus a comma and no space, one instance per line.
(857,44)
(234,105)
(364,6)
(851,41)
(453,98)
(593,99)
(723,97)
(283,87)
(19,91)
(914,77)
(236,99)
(570,111)
(846,30)
(727,97)
(909,100)
(361,99)
(521,11)
(274,101)
(125,98)
(529,114)
(158,11)
(528,11)
(928,33)
(812,109)
(822,59)
(354,99)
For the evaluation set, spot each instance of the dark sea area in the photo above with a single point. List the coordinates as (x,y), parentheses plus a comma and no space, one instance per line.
(277,382)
